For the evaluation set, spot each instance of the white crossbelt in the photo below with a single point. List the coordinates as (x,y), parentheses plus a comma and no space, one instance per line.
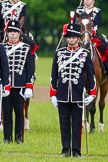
(14,48)
(11,9)
(71,59)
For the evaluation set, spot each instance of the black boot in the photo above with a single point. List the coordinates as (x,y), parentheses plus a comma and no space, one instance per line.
(66,153)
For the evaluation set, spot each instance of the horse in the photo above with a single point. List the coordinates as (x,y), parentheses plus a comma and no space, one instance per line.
(28,38)
(101,79)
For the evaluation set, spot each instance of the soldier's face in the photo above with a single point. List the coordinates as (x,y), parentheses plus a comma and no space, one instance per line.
(72,41)
(13,36)
(14,1)
(89,3)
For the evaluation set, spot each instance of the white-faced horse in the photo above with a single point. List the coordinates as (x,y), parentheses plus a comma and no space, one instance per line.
(101,79)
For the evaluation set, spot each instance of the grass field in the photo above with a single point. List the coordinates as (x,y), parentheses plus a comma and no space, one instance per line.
(42,141)
(43,70)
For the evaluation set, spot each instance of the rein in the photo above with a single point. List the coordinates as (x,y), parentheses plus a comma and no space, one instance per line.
(86,31)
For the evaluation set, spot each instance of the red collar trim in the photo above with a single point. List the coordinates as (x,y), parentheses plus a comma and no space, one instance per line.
(72,48)
(89,7)
(9,42)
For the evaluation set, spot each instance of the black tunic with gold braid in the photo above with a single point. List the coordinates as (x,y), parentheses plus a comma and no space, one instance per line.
(68,82)
(20,66)
(21,75)
(4,68)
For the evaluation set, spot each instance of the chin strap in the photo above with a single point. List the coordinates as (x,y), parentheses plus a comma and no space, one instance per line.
(80,3)
(59,42)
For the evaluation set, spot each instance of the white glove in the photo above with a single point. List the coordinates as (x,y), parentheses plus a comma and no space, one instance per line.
(54,101)
(5,93)
(88,99)
(28,93)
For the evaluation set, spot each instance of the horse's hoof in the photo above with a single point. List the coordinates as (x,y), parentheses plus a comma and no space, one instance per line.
(92,129)
(101,127)
(26,124)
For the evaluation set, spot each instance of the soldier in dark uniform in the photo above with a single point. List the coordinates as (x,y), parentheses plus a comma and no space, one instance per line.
(4,72)
(96,17)
(21,78)
(4,79)
(12,10)
(70,64)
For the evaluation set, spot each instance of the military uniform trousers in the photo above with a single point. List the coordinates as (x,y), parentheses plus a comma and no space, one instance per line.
(70,117)
(13,102)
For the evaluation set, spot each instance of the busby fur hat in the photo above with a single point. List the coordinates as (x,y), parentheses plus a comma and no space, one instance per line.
(13,25)
(72,30)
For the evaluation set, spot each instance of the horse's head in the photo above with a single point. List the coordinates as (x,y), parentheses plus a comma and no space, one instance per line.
(85,32)
(86,27)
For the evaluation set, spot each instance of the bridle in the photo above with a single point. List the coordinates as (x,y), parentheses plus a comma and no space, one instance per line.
(85,32)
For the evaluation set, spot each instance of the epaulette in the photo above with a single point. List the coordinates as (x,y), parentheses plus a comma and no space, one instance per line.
(27,45)
(84,49)
(60,49)
(96,9)
(23,3)
(79,10)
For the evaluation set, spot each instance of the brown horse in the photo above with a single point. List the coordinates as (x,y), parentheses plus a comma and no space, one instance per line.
(101,79)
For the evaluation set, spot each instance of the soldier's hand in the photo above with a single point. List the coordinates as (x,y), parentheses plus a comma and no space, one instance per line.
(28,93)
(5,93)
(88,99)
(54,101)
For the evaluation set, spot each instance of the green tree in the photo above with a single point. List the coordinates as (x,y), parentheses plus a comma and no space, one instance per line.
(47,18)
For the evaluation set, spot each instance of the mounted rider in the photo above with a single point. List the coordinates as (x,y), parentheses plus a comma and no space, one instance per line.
(96,17)
(13,10)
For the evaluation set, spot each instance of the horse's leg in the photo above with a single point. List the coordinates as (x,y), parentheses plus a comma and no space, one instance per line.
(26,108)
(92,110)
(26,120)
(1,122)
(87,114)
(87,125)
(103,93)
